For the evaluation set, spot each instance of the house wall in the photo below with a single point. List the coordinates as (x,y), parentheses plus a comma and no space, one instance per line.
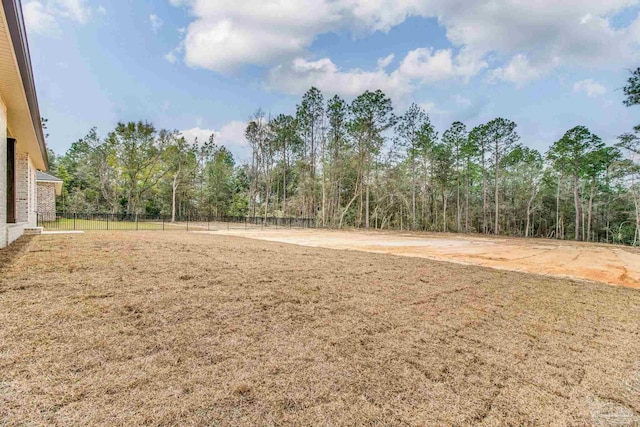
(25,190)
(14,231)
(3,174)
(32,218)
(47,201)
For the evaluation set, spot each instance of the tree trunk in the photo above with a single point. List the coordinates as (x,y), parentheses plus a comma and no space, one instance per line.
(324,196)
(497,218)
(324,184)
(558,208)
(173,198)
(254,184)
(444,212)
(284,181)
(358,192)
(576,200)
(267,186)
(589,213)
(526,230)
(485,229)
(466,218)
(413,193)
(458,215)
(367,207)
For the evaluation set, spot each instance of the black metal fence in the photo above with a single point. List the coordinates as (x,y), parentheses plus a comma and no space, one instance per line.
(64,221)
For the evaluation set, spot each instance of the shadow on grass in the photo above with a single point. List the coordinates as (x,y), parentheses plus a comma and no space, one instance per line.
(13,252)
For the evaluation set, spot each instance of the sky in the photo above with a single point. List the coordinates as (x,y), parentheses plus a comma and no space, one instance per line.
(205,66)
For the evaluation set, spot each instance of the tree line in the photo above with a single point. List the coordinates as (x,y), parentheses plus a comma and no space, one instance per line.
(361,164)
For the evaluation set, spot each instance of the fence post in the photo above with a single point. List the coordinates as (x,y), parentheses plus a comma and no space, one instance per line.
(136,222)
(162,222)
(74,220)
(188,222)
(107,222)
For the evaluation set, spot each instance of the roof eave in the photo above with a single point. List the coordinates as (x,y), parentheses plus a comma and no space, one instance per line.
(15,22)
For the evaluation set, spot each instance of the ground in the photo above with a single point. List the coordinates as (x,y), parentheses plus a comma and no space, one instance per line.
(613,264)
(177,328)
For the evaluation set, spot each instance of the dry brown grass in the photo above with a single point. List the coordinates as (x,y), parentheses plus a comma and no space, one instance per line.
(170,328)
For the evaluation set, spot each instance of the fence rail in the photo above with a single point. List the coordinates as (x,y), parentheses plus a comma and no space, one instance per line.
(64,221)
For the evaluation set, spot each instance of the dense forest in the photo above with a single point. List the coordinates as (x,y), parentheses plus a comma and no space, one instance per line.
(361,164)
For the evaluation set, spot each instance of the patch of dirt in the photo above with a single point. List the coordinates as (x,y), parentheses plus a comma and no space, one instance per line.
(176,328)
(615,265)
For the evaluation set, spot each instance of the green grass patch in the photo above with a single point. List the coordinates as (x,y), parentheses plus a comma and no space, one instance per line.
(96,224)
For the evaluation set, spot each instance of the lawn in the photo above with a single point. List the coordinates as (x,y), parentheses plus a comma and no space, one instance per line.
(67,224)
(176,328)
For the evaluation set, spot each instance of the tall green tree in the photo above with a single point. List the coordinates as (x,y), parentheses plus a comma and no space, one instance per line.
(478,138)
(140,150)
(372,116)
(571,154)
(220,181)
(503,136)
(180,158)
(284,130)
(310,118)
(415,135)
(455,138)
(469,152)
(443,160)
(337,147)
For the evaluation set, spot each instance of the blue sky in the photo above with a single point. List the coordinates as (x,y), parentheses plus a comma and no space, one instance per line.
(203,66)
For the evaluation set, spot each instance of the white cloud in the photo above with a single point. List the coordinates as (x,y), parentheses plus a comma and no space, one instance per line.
(43,17)
(462,100)
(171,57)
(197,134)
(228,34)
(384,62)
(156,22)
(419,66)
(543,30)
(230,135)
(38,19)
(225,34)
(430,66)
(77,10)
(431,108)
(590,87)
(102,10)
(518,71)
(299,75)
(259,35)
